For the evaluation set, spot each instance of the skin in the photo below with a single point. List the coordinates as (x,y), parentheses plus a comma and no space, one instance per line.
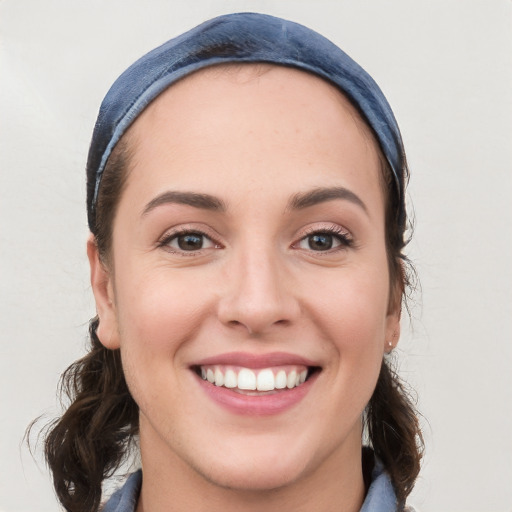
(254,138)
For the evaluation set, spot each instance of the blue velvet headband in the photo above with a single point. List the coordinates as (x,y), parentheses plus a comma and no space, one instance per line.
(242,37)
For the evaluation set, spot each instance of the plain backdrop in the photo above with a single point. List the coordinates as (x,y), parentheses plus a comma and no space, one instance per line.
(446,68)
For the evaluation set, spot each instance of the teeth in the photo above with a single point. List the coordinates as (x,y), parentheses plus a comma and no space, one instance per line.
(246,379)
(266,379)
(230,379)
(281,379)
(219,377)
(291,381)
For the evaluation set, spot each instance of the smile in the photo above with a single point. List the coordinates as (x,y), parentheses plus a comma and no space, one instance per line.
(245,380)
(256,384)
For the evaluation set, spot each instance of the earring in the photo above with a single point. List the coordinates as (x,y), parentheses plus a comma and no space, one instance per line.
(390,346)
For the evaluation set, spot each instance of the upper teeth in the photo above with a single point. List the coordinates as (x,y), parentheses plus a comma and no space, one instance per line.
(265,379)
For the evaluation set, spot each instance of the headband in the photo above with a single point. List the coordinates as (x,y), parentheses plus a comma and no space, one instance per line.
(241,37)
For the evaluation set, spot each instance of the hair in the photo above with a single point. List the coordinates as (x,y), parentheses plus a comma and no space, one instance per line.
(97,431)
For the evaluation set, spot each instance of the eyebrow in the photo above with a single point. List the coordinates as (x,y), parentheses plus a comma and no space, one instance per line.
(297,202)
(321,195)
(203,201)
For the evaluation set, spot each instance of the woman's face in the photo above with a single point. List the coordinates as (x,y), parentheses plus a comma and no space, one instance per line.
(249,250)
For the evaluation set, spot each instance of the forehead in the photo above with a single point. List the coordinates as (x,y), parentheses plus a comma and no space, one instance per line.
(209,85)
(231,128)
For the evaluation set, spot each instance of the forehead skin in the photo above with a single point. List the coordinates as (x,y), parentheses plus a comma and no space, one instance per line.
(243,74)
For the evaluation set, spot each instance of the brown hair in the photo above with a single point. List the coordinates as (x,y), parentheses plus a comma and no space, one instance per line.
(93,437)
(391,419)
(97,431)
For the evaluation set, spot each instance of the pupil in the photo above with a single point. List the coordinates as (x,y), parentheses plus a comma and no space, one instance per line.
(320,242)
(190,242)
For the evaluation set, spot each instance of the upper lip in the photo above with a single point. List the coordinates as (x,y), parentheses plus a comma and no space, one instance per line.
(255,361)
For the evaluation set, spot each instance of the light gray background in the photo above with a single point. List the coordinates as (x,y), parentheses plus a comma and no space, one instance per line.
(445,66)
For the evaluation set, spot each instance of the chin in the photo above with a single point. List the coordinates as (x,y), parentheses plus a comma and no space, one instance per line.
(253,463)
(252,476)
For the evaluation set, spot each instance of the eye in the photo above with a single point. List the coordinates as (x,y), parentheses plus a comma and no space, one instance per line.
(188,241)
(325,240)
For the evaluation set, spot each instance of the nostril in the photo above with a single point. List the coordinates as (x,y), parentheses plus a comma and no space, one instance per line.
(255,328)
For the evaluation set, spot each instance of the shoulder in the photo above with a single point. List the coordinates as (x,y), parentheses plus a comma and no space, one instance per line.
(125,499)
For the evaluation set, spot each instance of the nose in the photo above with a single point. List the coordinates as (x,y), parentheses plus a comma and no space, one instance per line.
(258,294)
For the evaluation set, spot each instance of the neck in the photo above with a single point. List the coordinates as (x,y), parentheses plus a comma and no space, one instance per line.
(172,485)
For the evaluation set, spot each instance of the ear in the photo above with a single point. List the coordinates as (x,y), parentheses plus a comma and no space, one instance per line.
(394,314)
(392,330)
(103,290)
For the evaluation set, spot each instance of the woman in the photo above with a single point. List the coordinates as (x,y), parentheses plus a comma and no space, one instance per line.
(246,206)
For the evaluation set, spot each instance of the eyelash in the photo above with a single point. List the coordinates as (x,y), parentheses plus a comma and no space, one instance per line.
(337,232)
(168,238)
(342,236)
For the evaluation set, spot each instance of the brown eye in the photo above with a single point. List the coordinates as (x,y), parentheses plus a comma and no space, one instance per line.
(188,242)
(324,241)
(320,242)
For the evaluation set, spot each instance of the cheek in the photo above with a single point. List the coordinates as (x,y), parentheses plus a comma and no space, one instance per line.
(354,306)
(352,317)
(158,313)
(157,316)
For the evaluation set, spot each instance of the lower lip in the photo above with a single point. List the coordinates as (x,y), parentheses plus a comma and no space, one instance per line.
(259,405)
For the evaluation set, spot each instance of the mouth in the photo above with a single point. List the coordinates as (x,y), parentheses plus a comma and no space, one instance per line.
(256,384)
(256,381)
